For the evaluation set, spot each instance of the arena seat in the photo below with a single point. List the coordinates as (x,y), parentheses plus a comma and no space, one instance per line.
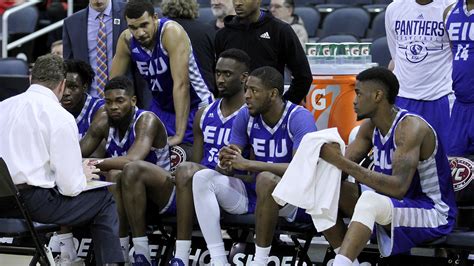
(205,15)
(383,1)
(377,29)
(311,18)
(23,21)
(338,38)
(13,66)
(380,52)
(11,85)
(308,2)
(336,22)
(203,3)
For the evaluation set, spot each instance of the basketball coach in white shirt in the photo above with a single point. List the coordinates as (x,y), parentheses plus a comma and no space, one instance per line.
(39,142)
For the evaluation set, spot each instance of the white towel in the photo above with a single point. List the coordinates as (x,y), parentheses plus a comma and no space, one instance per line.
(312,183)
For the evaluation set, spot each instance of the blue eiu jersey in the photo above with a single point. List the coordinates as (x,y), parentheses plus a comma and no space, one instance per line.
(90,108)
(460,28)
(428,209)
(154,66)
(118,147)
(273,144)
(215,131)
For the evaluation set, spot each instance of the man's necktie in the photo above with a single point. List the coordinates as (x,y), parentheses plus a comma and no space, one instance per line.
(102,67)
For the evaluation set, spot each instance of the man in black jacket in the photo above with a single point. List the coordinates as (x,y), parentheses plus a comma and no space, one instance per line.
(269,42)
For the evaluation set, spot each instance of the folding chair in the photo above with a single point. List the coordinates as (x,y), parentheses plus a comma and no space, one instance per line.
(17,227)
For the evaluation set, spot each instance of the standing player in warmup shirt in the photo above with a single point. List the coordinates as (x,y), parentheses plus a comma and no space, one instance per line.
(458,18)
(419,46)
(273,128)
(162,53)
(75,99)
(212,129)
(132,135)
(409,195)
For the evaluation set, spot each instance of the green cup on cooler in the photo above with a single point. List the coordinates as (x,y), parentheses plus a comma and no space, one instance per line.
(365,48)
(348,58)
(343,54)
(329,51)
(312,49)
(354,48)
(341,49)
(365,52)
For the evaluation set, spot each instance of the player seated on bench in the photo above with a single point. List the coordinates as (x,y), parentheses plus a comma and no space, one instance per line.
(409,195)
(133,136)
(274,128)
(76,100)
(211,129)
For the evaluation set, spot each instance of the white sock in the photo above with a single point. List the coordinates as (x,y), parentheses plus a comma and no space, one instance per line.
(182,250)
(356,261)
(342,260)
(125,244)
(261,255)
(66,246)
(217,252)
(141,246)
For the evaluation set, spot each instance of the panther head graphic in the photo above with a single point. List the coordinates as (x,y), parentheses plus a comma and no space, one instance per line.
(416,49)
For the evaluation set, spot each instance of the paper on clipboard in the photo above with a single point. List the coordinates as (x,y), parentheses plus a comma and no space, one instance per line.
(93,184)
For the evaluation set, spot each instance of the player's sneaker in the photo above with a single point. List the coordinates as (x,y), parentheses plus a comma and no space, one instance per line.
(140,260)
(176,262)
(65,261)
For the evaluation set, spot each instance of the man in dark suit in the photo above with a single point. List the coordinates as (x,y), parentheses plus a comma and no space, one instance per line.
(83,44)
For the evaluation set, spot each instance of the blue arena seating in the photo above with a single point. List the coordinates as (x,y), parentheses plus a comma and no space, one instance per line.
(311,18)
(349,20)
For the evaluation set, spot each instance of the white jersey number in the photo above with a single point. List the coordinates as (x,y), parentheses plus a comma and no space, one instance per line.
(213,155)
(462,53)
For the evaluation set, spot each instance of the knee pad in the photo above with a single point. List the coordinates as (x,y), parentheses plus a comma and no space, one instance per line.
(203,179)
(373,208)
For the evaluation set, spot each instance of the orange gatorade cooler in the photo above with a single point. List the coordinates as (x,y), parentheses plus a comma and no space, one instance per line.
(331,96)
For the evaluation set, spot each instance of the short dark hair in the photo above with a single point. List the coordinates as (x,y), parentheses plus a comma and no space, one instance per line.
(49,70)
(187,9)
(270,77)
(120,83)
(83,69)
(385,78)
(136,8)
(238,55)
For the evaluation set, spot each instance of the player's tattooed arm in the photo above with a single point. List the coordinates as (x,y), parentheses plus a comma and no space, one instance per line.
(362,144)
(408,138)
